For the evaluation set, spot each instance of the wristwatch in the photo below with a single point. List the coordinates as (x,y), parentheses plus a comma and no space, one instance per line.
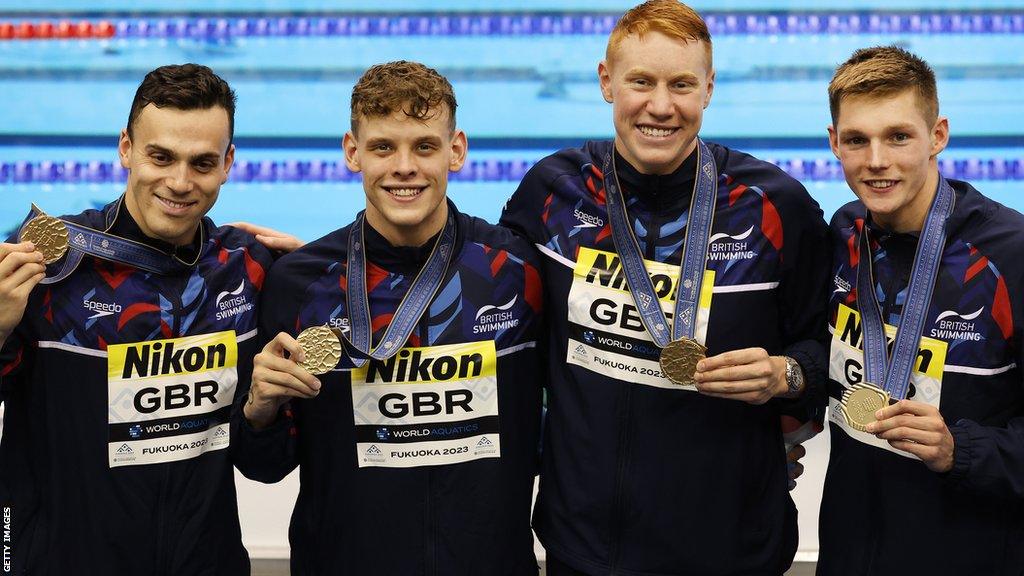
(794,376)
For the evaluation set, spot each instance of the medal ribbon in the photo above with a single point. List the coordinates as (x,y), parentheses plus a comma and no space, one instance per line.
(101,244)
(691,273)
(893,372)
(413,304)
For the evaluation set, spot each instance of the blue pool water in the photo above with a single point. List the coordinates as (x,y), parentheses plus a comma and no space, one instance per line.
(525,79)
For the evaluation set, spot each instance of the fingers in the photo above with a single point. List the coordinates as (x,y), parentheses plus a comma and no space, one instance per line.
(907,407)
(16,256)
(7,248)
(278,365)
(23,273)
(283,243)
(931,423)
(795,470)
(275,377)
(269,237)
(732,358)
(282,343)
(795,453)
(251,228)
(915,435)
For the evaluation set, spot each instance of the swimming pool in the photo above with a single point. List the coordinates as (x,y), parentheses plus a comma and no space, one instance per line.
(525,80)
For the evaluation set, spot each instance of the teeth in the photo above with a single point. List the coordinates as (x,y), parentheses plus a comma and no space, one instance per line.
(173,204)
(651,131)
(404,192)
(881,183)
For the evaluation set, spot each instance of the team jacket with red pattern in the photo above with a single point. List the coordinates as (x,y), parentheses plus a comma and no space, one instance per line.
(883,512)
(640,476)
(115,459)
(422,464)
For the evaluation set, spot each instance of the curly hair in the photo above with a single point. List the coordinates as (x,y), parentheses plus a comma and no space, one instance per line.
(418,91)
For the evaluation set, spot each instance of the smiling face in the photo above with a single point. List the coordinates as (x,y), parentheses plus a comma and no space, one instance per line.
(658,87)
(889,150)
(405,163)
(177,161)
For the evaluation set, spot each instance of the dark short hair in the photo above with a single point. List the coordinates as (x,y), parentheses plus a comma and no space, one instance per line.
(418,91)
(185,87)
(882,71)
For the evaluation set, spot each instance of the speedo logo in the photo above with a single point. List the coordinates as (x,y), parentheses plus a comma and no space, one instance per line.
(492,318)
(159,359)
(841,284)
(233,302)
(340,324)
(586,220)
(432,364)
(723,246)
(101,308)
(952,326)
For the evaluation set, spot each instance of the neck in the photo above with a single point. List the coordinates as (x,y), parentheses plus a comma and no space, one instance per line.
(136,214)
(411,236)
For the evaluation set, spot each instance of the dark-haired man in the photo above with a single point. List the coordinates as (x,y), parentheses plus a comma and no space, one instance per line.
(120,362)
(417,453)
(926,403)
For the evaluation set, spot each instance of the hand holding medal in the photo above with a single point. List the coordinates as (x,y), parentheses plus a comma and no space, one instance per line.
(278,375)
(917,428)
(21,269)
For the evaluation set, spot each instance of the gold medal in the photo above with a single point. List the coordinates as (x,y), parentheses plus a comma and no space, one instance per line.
(679,360)
(860,403)
(50,236)
(321,348)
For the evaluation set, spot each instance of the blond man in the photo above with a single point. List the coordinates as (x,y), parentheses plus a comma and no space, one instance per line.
(417,451)
(926,474)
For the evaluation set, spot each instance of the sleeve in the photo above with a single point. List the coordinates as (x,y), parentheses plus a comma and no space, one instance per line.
(523,212)
(990,459)
(803,305)
(12,360)
(266,455)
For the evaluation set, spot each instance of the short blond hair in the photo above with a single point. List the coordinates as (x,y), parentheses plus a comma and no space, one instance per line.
(882,71)
(670,17)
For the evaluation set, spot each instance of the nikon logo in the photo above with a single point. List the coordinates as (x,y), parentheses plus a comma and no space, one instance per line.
(606,270)
(157,359)
(412,366)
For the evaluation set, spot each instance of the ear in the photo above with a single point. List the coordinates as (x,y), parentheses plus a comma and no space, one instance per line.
(940,135)
(351,148)
(460,146)
(711,88)
(833,140)
(229,161)
(604,76)
(124,149)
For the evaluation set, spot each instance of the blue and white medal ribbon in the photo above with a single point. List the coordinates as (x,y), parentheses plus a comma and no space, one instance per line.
(413,305)
(83,240)
(892,373)
(691,274)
